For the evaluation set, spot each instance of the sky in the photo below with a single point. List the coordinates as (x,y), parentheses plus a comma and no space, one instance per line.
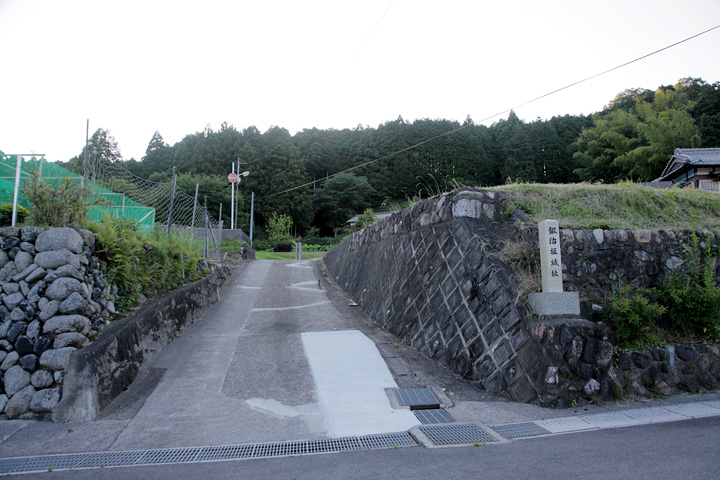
(175,66)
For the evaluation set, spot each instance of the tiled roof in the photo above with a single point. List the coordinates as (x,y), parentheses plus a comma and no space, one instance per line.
(694,157)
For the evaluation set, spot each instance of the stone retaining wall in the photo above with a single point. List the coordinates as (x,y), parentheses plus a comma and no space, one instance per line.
(424,275)
(54,301)
(433,275)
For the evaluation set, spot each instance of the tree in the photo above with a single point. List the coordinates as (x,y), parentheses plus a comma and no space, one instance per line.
(102,146)
(340,198)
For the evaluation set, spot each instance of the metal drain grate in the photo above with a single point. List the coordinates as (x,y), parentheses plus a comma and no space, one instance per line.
(458,434)
(520,430)
(417,398)
(433,416)
(202,454)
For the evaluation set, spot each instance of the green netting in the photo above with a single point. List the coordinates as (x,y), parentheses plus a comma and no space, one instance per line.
(108,203)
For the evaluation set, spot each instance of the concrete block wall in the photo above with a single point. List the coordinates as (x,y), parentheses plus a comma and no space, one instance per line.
(424,276)
(429,275)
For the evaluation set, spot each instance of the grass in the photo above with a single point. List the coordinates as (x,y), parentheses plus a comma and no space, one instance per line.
(265,255)
(619,206)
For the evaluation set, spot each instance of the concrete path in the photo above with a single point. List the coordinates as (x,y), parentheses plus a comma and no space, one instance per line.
(283,356)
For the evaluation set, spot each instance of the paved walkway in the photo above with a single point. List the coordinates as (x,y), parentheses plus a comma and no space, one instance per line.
(283,357)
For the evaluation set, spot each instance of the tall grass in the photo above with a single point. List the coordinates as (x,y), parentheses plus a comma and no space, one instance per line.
(619,206)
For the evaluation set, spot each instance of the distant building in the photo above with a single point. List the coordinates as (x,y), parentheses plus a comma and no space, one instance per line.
(697,168)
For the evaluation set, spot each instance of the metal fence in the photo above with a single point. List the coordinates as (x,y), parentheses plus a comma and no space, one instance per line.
(119,193)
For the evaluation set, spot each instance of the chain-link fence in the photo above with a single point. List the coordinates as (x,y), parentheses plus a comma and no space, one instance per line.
(119,193)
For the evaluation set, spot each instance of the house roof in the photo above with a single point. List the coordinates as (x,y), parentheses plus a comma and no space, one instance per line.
(378,215)
(686,158)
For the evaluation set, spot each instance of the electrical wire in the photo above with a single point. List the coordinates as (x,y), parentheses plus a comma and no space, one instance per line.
(497,114)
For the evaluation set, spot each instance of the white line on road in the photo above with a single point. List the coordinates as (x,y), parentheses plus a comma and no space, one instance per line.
(277,309)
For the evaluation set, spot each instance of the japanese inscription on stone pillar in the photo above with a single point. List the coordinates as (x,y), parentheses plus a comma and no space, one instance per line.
(550,265)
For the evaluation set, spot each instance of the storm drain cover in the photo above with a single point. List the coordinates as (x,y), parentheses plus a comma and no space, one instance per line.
(433,416)
(456,434)
(520,430)
(202,454)
(417,398)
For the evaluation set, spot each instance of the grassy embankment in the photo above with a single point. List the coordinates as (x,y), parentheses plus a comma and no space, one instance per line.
(619,206)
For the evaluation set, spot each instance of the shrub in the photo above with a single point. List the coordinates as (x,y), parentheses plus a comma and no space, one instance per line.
(368,217)
(633,314)
(57,207)
(692,293)
(6,214)
(278,227)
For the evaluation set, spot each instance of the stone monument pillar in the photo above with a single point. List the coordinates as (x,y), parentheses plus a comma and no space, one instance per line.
(552,300)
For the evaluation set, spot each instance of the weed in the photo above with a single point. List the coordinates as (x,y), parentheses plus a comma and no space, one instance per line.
(633,314)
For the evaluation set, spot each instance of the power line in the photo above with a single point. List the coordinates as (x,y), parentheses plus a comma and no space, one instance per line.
(376,25)
(499,113)
(268,153)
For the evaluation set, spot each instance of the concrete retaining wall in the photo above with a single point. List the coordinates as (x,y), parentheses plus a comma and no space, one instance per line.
(432,275)
(97,374)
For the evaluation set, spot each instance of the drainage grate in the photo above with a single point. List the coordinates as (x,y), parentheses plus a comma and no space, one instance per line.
(520,430)
(171,455)
(457,434)
(201,454)
(417,398)
(433,416)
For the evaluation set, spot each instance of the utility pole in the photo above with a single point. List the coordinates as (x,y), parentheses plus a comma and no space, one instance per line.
(232,200)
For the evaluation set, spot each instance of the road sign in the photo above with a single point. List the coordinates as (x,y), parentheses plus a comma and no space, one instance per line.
(233,177)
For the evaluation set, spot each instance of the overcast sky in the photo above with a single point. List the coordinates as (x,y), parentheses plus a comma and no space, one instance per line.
(136,66)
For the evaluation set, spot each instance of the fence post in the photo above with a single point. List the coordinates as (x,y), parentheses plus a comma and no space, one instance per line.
(207,228)
(172,201)
(18,166)
(85,160)
(192,225)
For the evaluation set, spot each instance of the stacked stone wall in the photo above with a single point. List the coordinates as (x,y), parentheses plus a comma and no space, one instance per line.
(596,261)
(54,302)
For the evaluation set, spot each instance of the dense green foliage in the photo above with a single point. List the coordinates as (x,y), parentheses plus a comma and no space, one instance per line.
(140,264)
(631,138)
(636,135)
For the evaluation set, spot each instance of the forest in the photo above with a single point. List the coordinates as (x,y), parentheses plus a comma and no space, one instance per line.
(343,172)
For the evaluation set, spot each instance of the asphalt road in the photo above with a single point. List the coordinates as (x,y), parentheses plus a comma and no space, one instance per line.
(284,356)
